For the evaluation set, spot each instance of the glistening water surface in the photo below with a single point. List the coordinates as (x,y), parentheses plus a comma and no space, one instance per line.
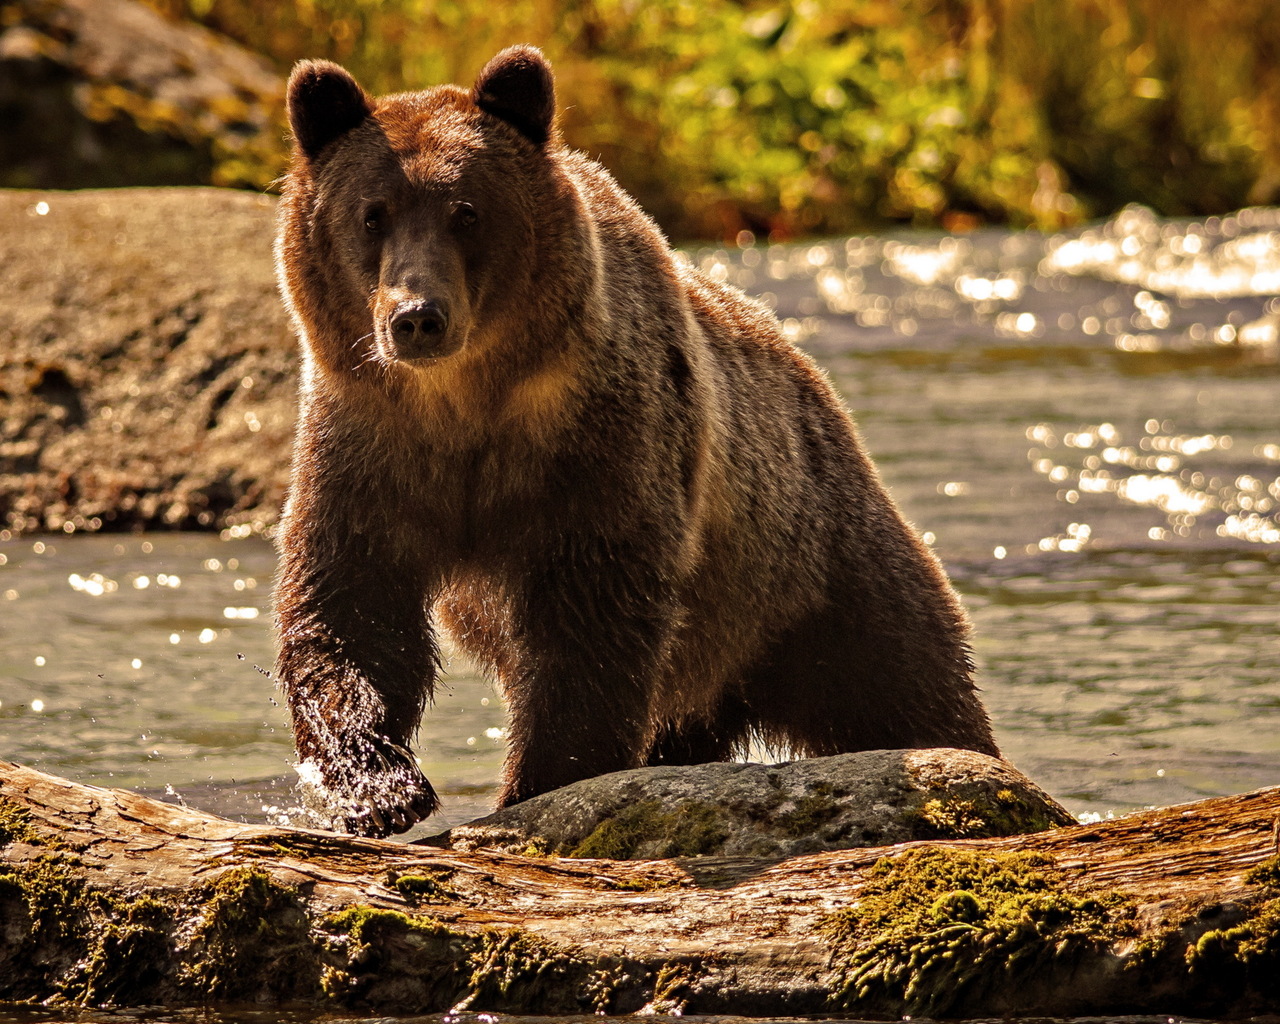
(1086,427)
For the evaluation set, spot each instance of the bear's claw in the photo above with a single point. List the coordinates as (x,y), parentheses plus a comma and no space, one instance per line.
(377,795)
(378,816)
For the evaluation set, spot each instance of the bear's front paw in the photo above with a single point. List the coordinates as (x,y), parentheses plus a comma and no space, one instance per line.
(384,793)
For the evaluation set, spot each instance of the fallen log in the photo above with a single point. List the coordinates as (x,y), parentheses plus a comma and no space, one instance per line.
(107,897)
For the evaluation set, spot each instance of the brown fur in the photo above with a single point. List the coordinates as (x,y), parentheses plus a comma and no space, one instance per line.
(611,479)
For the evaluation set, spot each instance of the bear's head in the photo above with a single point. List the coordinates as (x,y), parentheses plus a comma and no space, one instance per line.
(414,227)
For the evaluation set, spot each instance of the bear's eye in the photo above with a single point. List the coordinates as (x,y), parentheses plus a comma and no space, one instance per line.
(375,220)
(464,215)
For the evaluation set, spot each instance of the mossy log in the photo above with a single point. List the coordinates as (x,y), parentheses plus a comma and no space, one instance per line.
(107,897)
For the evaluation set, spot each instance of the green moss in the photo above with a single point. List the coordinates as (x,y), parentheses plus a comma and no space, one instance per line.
(15,825)
(1009,814)
(81,945)
(127,953)
(407,962)
(1266,874)
(618,837)
(670,984)
(54,898)
(811,812)
(983,816)
(934,929)
(689,830)
(416,963)
(641,884)
(514,971)
(1245,956)
(693,829)
(365,925)
(423,888)
(253,937)
(953,818)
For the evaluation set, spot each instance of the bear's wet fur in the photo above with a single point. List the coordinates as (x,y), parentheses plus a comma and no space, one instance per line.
(611,479)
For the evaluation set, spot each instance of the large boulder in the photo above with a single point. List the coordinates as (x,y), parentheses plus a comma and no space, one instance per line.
(870,798)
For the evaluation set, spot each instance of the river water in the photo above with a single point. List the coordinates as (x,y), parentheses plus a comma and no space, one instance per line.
(1086,427)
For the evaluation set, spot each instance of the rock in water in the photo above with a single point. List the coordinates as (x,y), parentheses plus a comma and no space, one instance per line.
(869,798)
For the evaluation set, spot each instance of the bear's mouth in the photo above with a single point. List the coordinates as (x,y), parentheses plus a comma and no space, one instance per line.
(424,357)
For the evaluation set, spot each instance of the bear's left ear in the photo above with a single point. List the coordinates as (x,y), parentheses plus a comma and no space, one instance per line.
(518,86)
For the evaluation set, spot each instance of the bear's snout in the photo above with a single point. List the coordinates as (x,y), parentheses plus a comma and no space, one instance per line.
(419,329)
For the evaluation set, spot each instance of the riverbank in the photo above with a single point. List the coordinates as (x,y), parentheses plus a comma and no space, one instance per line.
(148,371)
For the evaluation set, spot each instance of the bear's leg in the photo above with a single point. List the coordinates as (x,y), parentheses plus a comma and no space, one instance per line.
(845,679)
(702,741)
(357,662)
(591,630)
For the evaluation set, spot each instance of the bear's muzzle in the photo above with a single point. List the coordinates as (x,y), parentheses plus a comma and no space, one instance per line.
(419,329)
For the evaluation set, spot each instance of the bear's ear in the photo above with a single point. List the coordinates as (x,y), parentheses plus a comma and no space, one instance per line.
(518,86)
(324,103)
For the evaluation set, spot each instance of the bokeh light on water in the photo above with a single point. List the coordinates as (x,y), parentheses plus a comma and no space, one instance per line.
(1086,427)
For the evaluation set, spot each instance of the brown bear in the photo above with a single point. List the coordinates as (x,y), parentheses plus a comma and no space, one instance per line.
(611,479)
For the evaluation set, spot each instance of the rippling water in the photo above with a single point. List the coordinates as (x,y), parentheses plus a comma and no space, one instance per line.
(1086,427)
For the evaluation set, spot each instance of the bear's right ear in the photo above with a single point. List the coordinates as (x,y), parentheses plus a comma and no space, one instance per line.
(324,103)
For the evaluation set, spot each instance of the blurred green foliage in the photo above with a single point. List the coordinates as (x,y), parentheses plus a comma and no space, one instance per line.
(835,115)
(1173,104)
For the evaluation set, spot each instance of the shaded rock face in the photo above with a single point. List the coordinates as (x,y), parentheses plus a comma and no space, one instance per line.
(108,93)
(869,798)
(147,369)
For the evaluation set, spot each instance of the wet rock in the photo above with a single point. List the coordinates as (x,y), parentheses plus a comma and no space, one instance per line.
(870,798)
(147,369)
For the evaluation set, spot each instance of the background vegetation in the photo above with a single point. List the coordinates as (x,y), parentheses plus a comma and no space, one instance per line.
(834,115)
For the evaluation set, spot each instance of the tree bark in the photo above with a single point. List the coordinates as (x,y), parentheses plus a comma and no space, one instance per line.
(107,897)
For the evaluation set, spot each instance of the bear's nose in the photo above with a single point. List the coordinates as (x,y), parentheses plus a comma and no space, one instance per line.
(418,322)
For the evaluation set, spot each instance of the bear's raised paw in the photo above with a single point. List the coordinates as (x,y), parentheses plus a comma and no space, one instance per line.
(385,795)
